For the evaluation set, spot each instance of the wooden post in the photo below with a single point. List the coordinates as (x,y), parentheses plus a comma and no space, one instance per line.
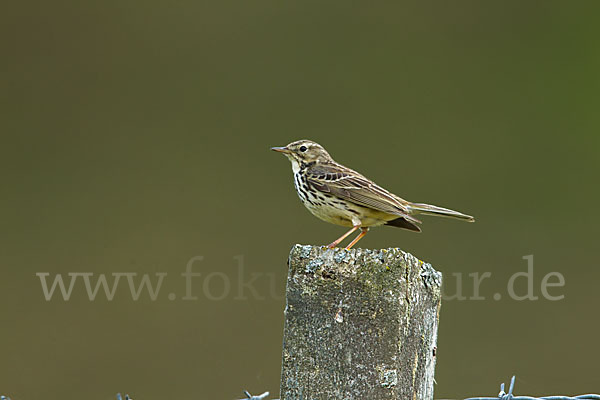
(359,324)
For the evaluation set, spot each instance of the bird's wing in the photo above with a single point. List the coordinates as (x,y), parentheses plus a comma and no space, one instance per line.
(352,186)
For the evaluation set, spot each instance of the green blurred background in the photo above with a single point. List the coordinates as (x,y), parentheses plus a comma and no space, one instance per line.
(136,135)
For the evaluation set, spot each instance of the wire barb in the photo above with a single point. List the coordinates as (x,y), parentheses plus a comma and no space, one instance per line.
(250,397)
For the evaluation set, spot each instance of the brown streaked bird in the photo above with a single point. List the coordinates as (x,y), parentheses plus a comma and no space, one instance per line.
(341,196)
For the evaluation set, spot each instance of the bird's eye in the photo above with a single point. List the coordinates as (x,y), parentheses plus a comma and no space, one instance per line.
(303,148)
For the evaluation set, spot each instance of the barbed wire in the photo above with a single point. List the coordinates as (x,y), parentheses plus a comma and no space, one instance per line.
(509,396)
(501,396)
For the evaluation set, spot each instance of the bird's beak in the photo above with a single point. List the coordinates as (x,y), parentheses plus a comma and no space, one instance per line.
(284,150)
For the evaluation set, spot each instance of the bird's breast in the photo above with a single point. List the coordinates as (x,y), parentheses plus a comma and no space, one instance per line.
(334,210)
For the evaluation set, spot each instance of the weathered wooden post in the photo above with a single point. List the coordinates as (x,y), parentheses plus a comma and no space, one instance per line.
(359,324)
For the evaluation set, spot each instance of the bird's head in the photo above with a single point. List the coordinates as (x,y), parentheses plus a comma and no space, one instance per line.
(304,151)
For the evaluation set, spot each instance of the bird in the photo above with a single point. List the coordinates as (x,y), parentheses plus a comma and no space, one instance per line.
(341,196)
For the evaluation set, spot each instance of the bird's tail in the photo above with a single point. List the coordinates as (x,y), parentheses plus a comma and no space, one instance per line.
(428,209)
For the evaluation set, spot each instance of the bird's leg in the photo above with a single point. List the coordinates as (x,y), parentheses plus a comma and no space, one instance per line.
(363,232)
(344,236)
